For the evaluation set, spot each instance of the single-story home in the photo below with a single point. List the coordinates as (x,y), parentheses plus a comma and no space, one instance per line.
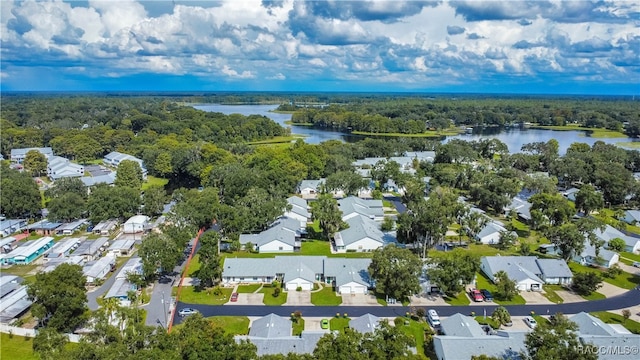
(91,249)
(271,335)
(529,272)
(121,286)
(554,271)
(70,228)
(362,234)
(570,194)
(522,208)
(10,226)
(299,210)
(632,244)
(62,248)
(54,263)
(491,233)
(18,155)
(346,275)
(98,269)
(366,323)
(274,239)
(135,224)
(108,179)
(105,227)
(352,206)
(309,189)
(587,257)
(607,336)
(59,167)
(28,251)
(632,217)
(7,244)
(44,227)
(121,247)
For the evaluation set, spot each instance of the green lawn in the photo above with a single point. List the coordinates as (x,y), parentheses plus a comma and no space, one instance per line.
(325,297)
(190,295)
(594,296)
(611,318)
(276,140)
(19,270)
(595,132)
(233,325)
(487,321)
(482,282)
(416,329)
(154,181)
(629,145)
(269,299)
(630,256)
(315,247)
(550,293)
(194,266)
(461,299)
(16,348)
(624,280)
(248,289)
(339,323)
(309,248)
(298,327)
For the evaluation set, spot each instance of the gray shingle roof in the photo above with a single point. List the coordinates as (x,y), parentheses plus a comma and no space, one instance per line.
(365,323)
(507,345)
(270,326)
(303,344)
(518,268)
(311,184)
(359,228)
(461,325)
(491,228)
(299,206)
(522,207)
(590,325)
(272,234)
(611,233)
(554,268)
(368,208)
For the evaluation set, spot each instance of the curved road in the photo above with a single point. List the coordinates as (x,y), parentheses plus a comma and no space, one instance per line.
(626,300)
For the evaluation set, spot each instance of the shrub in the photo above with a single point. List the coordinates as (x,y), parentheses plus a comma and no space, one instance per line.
(299,288)
(276,292)
(421,312)
(586,283)
(613,271)
(351,250)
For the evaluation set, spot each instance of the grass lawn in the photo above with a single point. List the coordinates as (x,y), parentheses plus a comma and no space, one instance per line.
(298,327)
(624,280)
(594,296)
(19,270)
(194,267)
(630,256)
(611,318)
(461,299)
(595,132)
(325,297)
(154,181)
(339,323)
(269,299)
(248,289)
(550,293)
(315,247)
(416,329)
(233,325)
(487,321)
(189,295)
(629,145)
(517,300)
(482,282)
(276,140)
(17,348)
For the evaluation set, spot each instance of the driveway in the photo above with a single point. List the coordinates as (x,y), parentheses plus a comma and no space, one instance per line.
(609,290)
(630,269)
(359,300)
(534,297)
(428,300)
(248,299)
(313,324)
(298,298)
(569,296)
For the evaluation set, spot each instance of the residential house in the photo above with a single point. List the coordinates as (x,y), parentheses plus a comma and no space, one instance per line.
(27,252)
(632,244)
(62,248)
(121,247)
(135,224)
(98,269)
(105,228)
(91,249)
(114,159)
(18,155)
(274,239)
(290,224)
(299,210)
(52,264)
(491,233)
(121,286)
(366,323)
(352,206)
(10,226)
(70,228)
(570,194)
(522,269)
(44,227)
(7,244)
(108,179)
(363,234)
(632,217)
(391,186)
(14,300)
(310,189)
(521,207)
(554,271)
(592,330)
(346,275)
(59,167)
(464,338)
(271,335)
(588,257)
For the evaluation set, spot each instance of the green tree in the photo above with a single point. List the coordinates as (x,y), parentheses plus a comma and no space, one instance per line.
(67,207)
(616,244)
(396,272)
(210,262)
(153,200)
(162,165)
(159,254)
(388,342)
(107,202)
(567,238)
(129,174)
(347,181)
(555,207)
(505,287)
(584,283)
(387,224)
(340,346)
(19,194)
(67,185)
(453,270)
(326,211)
(501,315)
(507,239)
(60,297)
(626,314)
(35,162)
(49,344)
(194,208)
(558,340)
(588,199)
(85,148)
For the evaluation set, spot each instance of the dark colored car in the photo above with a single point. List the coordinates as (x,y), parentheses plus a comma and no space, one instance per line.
(234,297)
(165,280)
(486,294)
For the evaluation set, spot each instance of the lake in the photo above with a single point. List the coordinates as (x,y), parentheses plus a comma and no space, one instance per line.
(513,137)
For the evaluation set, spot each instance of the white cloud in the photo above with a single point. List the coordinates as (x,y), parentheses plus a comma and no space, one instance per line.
(232,73)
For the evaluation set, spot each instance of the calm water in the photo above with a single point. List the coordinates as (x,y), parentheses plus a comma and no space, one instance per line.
(513,137)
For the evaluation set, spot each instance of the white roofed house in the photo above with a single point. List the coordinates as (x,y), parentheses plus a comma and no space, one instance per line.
(121,286)
(588,257)
(632,244)
(98,269)
(274,239)
(18,155)
(522,208)
(366,323)
(555,271)
(62,248)
(122,246)
(491,233)
(348,276)
(352,206)
(91,249)
(59,167)
(104,228)
(309,189)
(10,226)
(521,269)
(632,217)
(135,224)
(299,210)
(114,159)
(70,228)
(363,234)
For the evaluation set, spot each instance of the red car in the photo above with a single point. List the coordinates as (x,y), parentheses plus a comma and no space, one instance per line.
(234,297)
(476,295)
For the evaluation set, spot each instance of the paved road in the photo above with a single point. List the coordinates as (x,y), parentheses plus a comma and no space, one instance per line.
(94,295)
(626,300)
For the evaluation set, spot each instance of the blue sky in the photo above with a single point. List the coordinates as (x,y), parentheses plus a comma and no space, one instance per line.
(549,47)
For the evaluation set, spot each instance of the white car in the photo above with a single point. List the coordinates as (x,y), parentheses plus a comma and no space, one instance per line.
(433,318)
(636,264)
(187,312)
(531,322)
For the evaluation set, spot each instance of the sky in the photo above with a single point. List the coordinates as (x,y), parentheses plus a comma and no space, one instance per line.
(528,47)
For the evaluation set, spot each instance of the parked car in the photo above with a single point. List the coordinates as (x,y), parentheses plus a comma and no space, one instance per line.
(476,295)
(165,280)
(324,323)
(531,322)
(433,318)
(187,312)
(486,294)
(234,297)
(636,264)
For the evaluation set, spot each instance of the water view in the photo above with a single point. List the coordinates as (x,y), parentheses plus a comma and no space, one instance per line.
(513,137)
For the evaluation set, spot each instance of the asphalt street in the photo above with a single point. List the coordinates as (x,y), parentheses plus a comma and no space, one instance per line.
(626,300)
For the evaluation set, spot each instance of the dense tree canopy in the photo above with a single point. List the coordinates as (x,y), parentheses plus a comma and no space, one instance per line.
(396,272)
(19,195)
